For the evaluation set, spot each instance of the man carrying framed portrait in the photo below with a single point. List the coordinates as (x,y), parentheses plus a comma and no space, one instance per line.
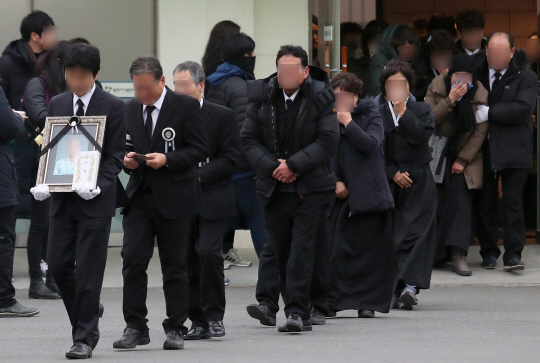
(81,221)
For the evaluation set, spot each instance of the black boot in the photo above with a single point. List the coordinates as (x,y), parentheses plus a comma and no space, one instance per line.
(38,290)
(49,282)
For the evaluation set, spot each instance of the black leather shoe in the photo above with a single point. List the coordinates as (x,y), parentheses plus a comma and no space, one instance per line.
(174,341)
(295,325)
(101,310)
(132,338)
(79,350)
(94,337)
(514,264)
(489,262)
(197,333)
(17,310)
(317,317)
(38,290)
(216,329)
(366,313)
(262,313)
(408,298)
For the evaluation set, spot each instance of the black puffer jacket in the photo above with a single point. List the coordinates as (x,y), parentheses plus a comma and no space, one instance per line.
(16,70)
(233,94)
(510,114)
(11,126)
(316,134)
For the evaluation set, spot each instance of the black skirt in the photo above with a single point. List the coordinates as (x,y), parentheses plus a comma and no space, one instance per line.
(362,267)
(414,229)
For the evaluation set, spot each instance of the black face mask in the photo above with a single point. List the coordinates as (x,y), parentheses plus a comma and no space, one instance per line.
(247,64)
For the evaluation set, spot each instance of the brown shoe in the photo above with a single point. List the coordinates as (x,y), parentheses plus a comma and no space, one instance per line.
(459,262)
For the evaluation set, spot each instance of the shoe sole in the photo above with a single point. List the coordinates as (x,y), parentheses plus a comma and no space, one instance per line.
(255,313)
(37,297)
(318,322)
(18,315)
(489,267)
(366,316)
(514,268)
(73,356)
(241,265)
(463,273)
(218,335)
(202,337)
(407,301)
(144,341)
(172,347)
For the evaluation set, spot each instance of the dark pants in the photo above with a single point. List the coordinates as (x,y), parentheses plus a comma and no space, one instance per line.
(36,246)
(7,249)
(513,222)
(267,291)
(142,224)
(249,215)
(205,270)
(293,222)
(77,254)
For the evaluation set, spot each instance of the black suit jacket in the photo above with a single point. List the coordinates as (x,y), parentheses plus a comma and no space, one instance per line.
(224,152)
(112,193)
(175,187)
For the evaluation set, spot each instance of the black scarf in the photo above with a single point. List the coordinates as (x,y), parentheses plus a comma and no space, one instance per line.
(464,118)
(247,64)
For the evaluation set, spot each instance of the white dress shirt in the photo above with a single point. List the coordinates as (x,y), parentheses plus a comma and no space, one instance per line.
(85,99)
(292,97)
(493,78)
(472,53)
(155,114)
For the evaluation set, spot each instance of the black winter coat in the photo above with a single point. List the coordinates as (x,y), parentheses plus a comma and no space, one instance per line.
(510,115)
(360,160)
(316,135)
(16,70)
(11,126)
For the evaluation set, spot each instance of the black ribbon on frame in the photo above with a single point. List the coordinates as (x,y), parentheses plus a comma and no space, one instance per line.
(74,121)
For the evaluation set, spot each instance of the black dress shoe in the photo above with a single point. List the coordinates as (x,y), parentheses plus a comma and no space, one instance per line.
(262,313)
(197,333)
(317,317)
(216,329)
(101,310)
(295,325)
(408,298)
(174,341)
(132,338)
(38,290)
(366,313)
(94,337)
(79,350)
(17,310)
(489,262)
(514,264)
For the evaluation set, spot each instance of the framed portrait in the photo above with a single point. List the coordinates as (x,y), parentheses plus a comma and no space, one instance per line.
(63,160)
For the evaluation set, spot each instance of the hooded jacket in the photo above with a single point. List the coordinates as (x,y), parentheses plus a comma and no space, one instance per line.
(16,69)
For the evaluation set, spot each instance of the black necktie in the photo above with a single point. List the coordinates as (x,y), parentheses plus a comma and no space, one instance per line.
(80,110)
(149,121)
(496,82)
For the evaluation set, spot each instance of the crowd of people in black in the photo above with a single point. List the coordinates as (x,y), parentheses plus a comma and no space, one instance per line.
(353,187)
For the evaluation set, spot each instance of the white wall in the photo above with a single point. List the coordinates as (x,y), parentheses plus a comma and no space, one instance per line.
(182,35)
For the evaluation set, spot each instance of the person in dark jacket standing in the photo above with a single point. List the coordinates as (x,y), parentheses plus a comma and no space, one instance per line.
(11,125)
(205,261)
(508,149)
(470,30)
(228,87)
(408,125)
(19,61)
(362,266)
(37,95)
(289,137)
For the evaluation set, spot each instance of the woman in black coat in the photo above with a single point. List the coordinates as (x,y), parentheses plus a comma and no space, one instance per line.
(408,125)
(362,266)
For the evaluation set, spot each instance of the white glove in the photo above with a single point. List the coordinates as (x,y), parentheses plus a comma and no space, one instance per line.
(482,113)
(85,192)
(40,192)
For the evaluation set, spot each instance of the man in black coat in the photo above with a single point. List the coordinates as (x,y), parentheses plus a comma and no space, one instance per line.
(18,63)
(166,141)
(205,261)
(11,125)
(508,149)
(81,222)
(290,137)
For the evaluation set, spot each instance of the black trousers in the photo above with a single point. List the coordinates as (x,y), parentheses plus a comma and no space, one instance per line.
(205,271)
(267,291)
(293,223)
(36,246)
(513,223)
(76,255)
(142,224)
(7,249)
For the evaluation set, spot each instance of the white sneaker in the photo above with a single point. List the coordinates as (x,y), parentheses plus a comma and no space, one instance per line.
(234,258)
(226,264)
